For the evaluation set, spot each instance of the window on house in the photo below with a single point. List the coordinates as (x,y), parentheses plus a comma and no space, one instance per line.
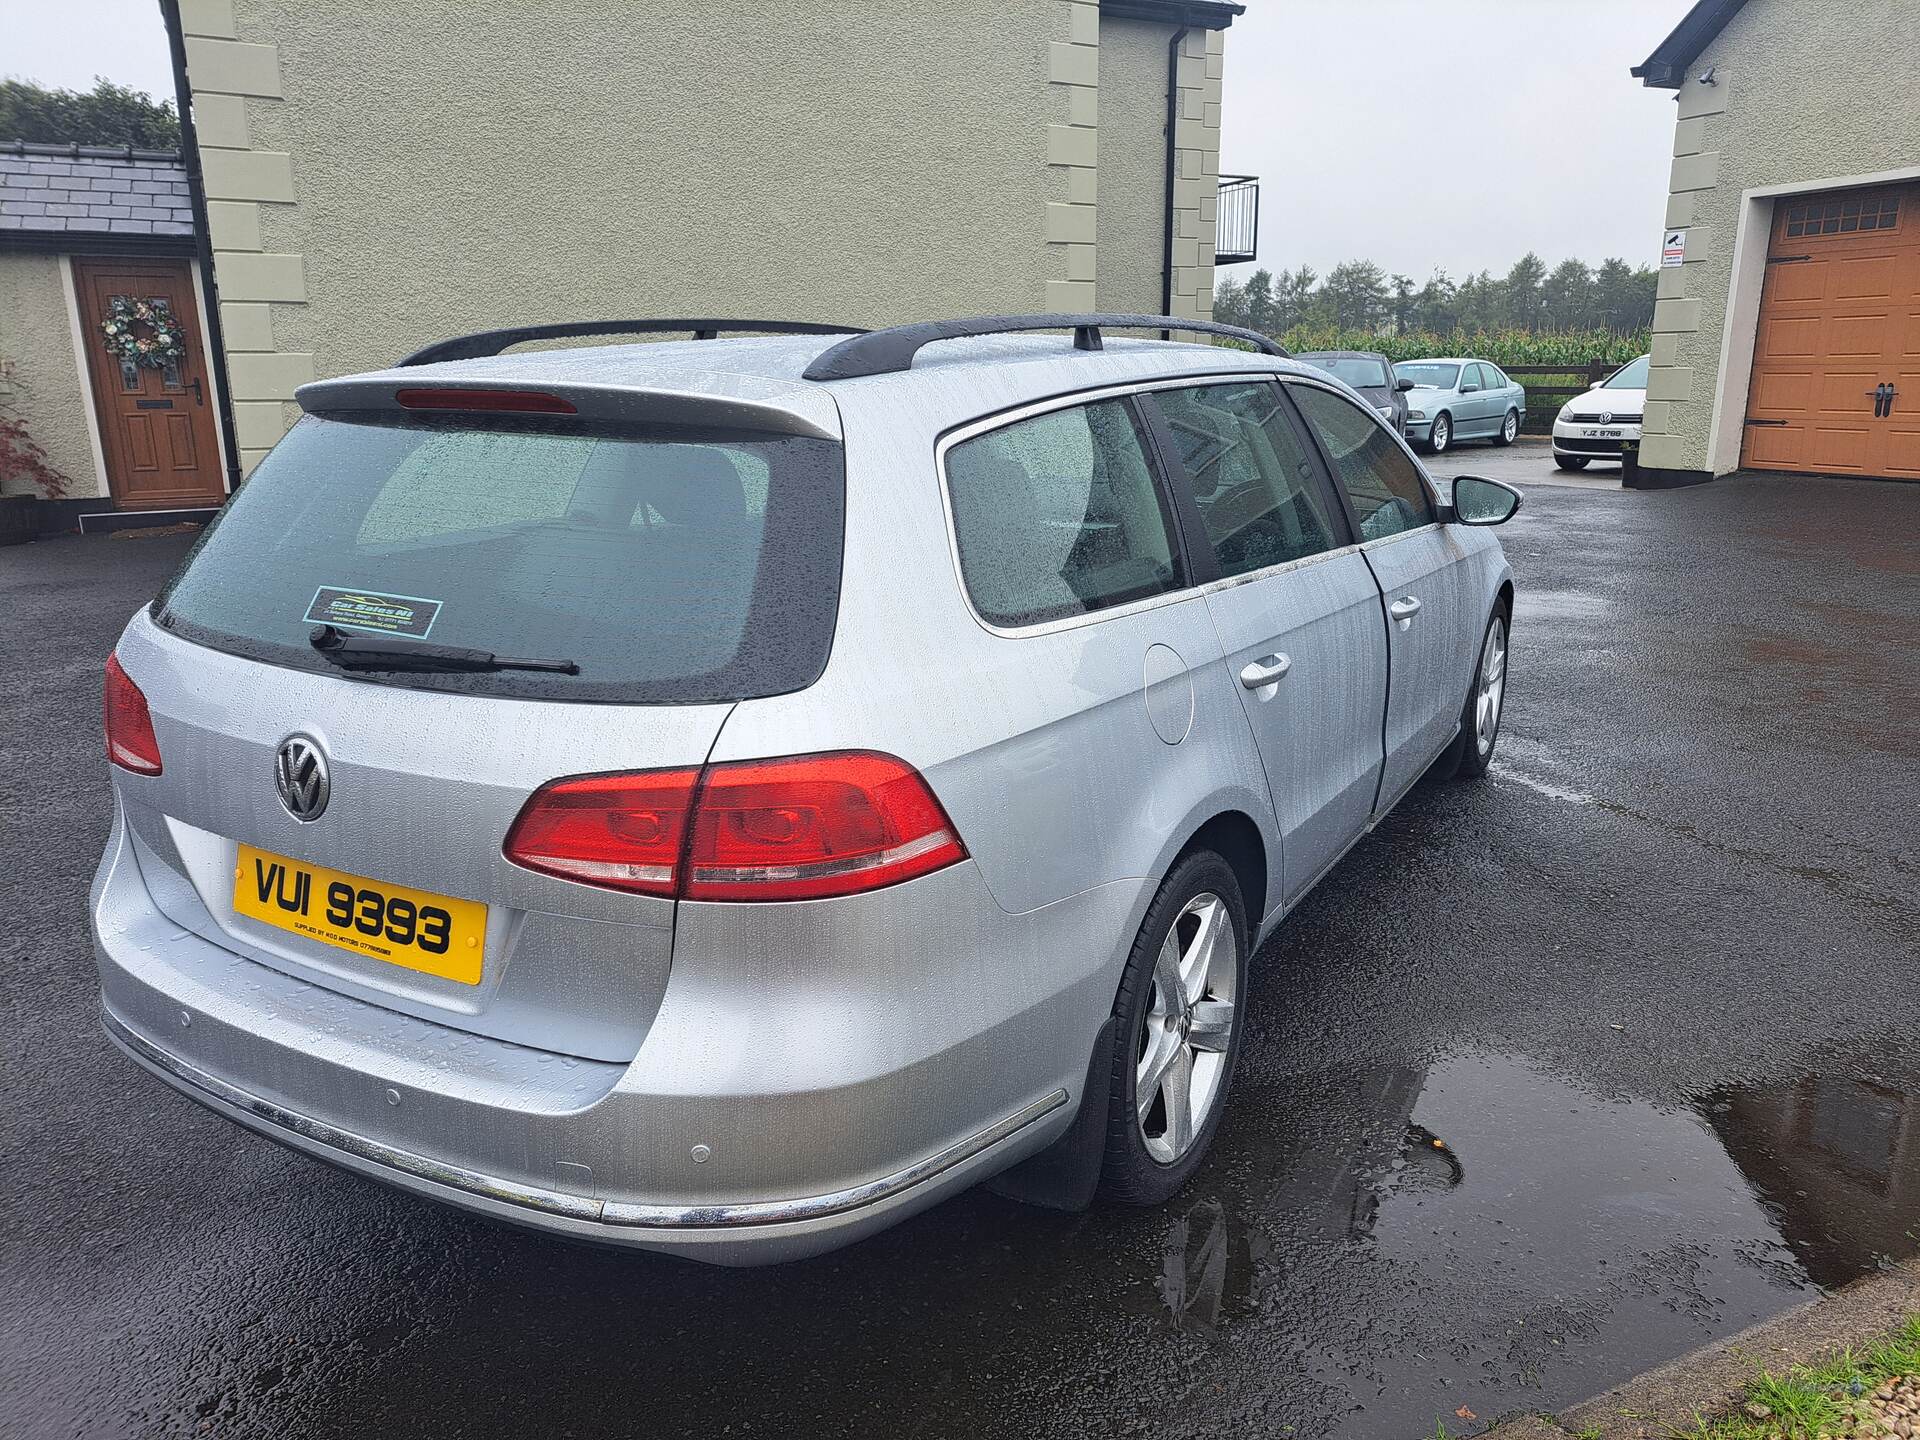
(1843,215)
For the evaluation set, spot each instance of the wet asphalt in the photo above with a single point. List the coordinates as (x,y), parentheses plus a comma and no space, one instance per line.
(1650,984)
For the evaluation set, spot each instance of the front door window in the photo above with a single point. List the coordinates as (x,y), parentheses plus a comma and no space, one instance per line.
(1380,479)
(1254,480)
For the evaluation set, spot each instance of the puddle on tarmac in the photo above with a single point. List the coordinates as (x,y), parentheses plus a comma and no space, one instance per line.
(1837,1164)
(1331,1273)
(1504,1239)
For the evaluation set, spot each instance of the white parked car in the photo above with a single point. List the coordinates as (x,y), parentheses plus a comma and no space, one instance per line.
(1599,424)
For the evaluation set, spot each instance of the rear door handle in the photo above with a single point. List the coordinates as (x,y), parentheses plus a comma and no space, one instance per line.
(1404,609)
(1267,670)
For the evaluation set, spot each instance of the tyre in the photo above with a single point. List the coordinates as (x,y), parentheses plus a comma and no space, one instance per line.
(1472,748)
(1440,438)
(1571,462)
(1509,429)
(1177,1033)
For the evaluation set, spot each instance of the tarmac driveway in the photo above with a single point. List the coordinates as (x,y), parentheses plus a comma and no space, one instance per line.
(1651,986)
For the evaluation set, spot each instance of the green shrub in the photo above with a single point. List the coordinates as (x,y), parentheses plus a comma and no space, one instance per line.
(1576,349)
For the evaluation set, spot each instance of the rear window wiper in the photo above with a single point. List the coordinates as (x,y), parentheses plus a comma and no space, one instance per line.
(390,652)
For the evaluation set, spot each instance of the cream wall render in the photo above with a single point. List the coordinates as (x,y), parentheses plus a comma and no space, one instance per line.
(1133,165)
(43,380)
(1807,95)
(375,185)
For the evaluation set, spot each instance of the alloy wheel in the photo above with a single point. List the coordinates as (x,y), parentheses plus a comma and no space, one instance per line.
(1180,1057)
(1442,434)
(1492,687)
(1511,430)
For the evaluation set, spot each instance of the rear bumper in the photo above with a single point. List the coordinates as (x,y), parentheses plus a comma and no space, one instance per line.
(754,1233)
(803,1084)
(1567,440)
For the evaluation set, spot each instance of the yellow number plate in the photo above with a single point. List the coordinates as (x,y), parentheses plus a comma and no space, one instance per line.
(422,931)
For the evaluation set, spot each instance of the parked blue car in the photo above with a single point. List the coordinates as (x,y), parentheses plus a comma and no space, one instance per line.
(1460,400)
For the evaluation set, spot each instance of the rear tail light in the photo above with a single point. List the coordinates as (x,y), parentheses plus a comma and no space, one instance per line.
(802,828)
(625,832)
(130,740)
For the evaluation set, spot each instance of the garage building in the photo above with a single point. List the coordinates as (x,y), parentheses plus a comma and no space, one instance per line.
(1787,330)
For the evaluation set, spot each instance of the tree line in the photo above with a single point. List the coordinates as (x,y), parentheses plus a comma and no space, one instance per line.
(1357,295)
(109,114)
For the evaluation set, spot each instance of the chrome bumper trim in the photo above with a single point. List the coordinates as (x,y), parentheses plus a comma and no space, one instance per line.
(191,1078)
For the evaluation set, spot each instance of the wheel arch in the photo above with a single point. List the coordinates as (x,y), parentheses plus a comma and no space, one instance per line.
(1235,837)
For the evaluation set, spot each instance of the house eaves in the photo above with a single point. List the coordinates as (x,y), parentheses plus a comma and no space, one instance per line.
(1666,68)
(1195,14)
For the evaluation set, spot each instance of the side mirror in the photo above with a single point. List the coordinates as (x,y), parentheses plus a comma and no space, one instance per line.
(1469,389)
(1480,501)
(1403,386)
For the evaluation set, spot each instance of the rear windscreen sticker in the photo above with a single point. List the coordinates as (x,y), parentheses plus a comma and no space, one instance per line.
(364,610)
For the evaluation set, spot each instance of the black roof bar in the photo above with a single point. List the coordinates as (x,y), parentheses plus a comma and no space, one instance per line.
(883,352)
(492,342)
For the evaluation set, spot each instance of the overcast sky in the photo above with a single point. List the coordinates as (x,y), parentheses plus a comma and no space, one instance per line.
(1422,134)
(1456,134)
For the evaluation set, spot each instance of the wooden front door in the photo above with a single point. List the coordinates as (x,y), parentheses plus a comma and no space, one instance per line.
(156,422)
(1836,360)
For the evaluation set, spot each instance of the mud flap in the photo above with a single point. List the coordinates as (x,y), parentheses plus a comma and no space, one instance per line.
(1065,1175)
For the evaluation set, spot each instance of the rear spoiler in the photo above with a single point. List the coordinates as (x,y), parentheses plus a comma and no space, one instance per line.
(742,402)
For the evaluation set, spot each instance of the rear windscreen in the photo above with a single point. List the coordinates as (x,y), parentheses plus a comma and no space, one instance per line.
(672,566)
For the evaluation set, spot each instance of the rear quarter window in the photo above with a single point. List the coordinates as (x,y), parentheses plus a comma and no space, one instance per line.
(1060,515)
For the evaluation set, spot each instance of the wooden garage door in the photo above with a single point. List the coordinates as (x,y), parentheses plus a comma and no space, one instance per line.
(1836,361)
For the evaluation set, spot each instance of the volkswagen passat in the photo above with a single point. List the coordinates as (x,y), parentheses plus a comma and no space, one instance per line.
(722,796)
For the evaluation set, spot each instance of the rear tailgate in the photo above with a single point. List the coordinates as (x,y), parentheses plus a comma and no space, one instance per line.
(666,555)
(423,789)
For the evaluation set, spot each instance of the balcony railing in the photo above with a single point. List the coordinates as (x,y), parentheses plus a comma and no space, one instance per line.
(1236,231)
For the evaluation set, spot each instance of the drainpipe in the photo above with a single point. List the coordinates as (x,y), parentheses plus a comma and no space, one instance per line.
(203,237)
(1173,155)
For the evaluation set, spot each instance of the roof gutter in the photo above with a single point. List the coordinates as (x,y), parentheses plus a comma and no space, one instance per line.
(203,236)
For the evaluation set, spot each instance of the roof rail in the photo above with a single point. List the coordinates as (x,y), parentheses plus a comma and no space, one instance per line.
(883,352)
(492,342)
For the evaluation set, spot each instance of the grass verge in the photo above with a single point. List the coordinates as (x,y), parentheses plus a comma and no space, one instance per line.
(1856,1393)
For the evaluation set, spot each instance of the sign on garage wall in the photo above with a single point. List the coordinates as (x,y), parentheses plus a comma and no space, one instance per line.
(1674,251)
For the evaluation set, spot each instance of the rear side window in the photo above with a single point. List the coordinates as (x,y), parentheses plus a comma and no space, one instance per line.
(1253,478)
(1384,485)
(1060,515)
(673,566)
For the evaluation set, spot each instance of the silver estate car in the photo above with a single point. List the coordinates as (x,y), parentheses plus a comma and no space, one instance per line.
(1461,400)
(722,796)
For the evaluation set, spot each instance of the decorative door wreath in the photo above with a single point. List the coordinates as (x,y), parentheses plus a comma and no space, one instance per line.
(142,331)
